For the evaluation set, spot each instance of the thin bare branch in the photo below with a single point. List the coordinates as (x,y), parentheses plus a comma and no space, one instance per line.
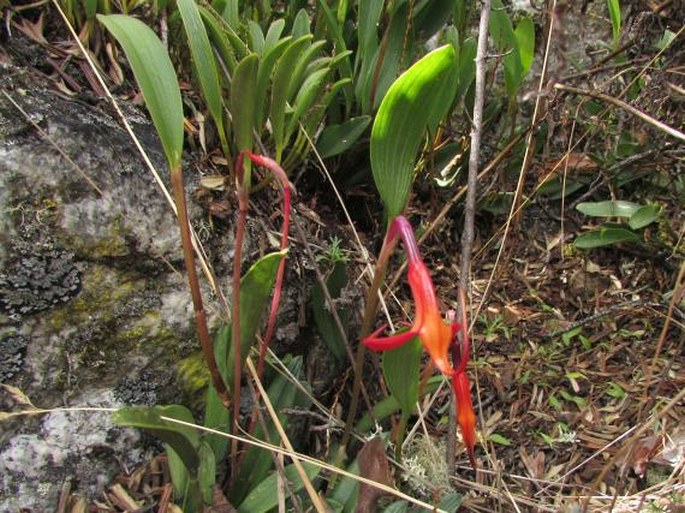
(625,106)
(470,207)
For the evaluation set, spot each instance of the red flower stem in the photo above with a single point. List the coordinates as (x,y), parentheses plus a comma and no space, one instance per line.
(287,187)
(243,201)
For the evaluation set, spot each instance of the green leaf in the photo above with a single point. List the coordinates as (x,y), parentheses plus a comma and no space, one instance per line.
(184,440)
(279,90)
(390,405)
(203,60)
(219,39)
(283,395)
(298,74)
(401,371)
(506,42)
(325,324)
(605,236)
(266,67)
(155,76)
(451,502)
(608,208)
(262,498)
(498,439)
(256,37)
(255,289)
(525,39)
(217,416)
(417,101)
(273,35)
(347,489)
(206,472)
(311,89)
(397,507)
(615,390)
(300,25)
(336,139)
(243,102)
(644,216)
(615,15)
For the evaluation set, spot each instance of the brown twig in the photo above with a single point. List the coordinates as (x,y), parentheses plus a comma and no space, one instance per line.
(470,207)
(625,106)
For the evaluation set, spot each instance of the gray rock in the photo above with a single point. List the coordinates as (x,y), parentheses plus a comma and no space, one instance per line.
(91,312)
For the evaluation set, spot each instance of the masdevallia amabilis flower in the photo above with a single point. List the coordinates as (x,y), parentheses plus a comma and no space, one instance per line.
(466,418)
(435,334)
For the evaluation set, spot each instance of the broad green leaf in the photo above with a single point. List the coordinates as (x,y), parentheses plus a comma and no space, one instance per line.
(203,60)
(279,90)
(501,28)
(155,76)
(266,67)
(401,371)
(605,236)
(300,25)
(311,89)
(183,439)
(608,208)
(219,39)
(525,38)
(336,139)
(615,15)
(255,290)
(644,216)
(273,35)
(298,76)
(256,37)
(451,502)
(263,498)
(243,102)
(504,37)
(180,476)
(206,472)
(417,101)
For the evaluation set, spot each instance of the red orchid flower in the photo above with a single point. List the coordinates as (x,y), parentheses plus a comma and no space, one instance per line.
(435,334)
(466,418)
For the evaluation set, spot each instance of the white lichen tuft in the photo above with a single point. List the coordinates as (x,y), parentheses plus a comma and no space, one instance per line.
(426,470)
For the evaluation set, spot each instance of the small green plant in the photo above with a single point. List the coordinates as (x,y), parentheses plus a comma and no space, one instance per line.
(635,218)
